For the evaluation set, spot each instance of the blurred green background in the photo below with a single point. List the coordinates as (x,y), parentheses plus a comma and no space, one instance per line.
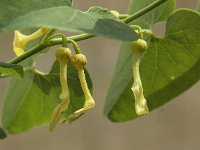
(174,126)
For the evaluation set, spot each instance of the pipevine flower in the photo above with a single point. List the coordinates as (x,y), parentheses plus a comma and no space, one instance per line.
(21,40)
(138,48)
(63,56)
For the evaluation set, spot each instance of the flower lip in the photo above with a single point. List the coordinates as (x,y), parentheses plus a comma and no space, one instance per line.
(21,40)
(19,43)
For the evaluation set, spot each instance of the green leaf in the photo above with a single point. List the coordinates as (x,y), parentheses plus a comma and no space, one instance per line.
(11,70)
(34,98)
(97,21)
(158,14)
(169,67)
(2,134)
(122,77)
(12,9)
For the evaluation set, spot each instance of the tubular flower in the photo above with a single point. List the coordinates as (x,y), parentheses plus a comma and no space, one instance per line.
(79,62)
(21,40)
(63,56)
(138,48)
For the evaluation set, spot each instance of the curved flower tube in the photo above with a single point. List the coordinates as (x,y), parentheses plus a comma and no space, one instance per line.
(79,61)
(138,48)
(63,56)
(21,40)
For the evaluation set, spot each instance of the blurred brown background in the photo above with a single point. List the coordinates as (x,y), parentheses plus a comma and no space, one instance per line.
(175,126)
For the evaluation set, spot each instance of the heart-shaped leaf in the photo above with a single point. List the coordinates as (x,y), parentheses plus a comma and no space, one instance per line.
(123,70)
(169,67)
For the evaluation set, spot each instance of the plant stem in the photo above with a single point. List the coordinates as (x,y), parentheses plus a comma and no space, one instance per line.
(75,45)
(79,37)
(27,54)
(143,11)
(84,36)
(45,38)
(63,39)
(52,42)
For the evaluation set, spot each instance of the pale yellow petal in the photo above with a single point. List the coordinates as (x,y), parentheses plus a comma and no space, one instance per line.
(21,40)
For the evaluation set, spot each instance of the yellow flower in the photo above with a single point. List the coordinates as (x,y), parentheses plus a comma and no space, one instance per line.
(79,62)
(62,55)
(138,48)
(21,40)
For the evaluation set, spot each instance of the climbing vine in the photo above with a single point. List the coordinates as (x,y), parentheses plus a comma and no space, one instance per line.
(150,70)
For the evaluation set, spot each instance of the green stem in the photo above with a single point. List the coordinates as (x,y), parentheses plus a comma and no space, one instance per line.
(143,11)
(45,38)
(79,37)
(28,53)
(75,45)
(63,39)
(84,36)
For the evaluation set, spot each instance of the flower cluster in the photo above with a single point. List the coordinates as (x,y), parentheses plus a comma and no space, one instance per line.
(63,56)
